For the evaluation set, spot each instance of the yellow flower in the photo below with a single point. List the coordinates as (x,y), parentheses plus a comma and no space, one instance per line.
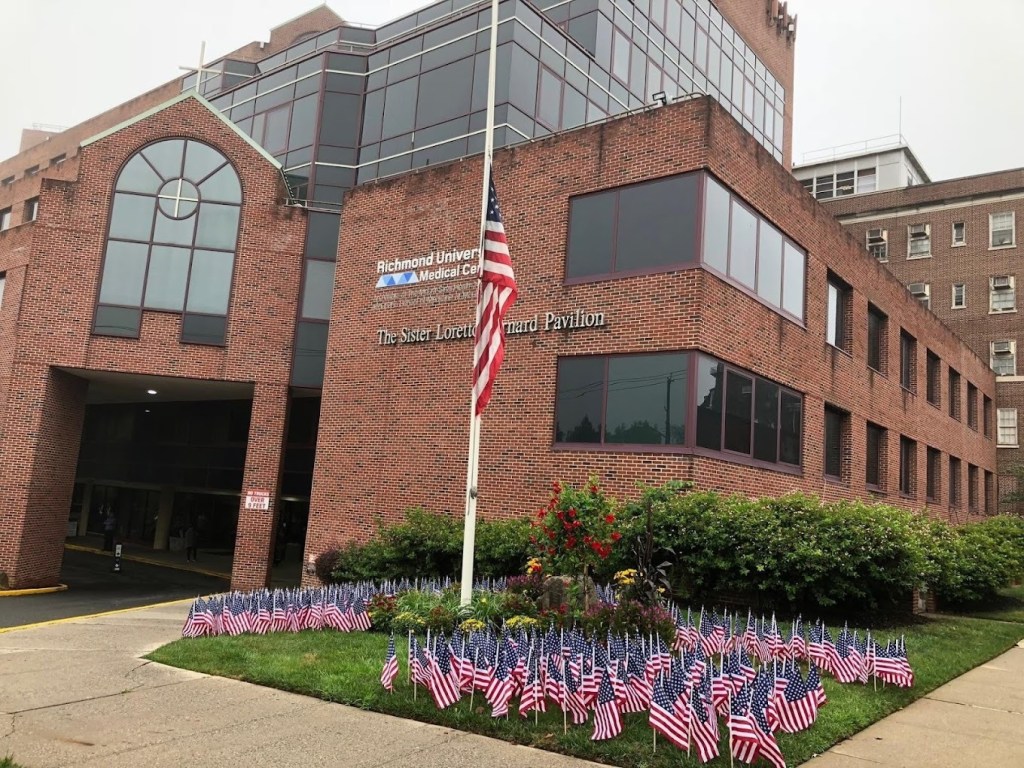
(472,625)
(521,621)
(533,565)
(626,577)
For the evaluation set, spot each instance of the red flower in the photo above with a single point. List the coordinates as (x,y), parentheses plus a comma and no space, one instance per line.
(559,515)
(609,519)
(551,535)
(533,539)
(593,488)
(551,550)
(572,512)
(616,536)
(556,487)
(570,542)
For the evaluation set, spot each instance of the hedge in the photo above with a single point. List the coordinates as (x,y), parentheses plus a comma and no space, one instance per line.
(794,552)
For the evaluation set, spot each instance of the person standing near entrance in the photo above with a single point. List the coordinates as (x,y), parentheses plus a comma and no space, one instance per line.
(109,527)
(190,544)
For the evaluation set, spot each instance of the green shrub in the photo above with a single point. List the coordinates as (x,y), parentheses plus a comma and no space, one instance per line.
(502,547)
(426,545)
(973,562)
(792,552)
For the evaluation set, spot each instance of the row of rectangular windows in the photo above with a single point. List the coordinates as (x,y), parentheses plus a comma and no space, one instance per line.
(839,333)
(679,402)
(680,221)
(1002,233)
(31,212)
(54,162)
(837,442)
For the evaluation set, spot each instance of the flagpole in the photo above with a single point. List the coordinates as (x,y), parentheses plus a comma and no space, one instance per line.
(473,462)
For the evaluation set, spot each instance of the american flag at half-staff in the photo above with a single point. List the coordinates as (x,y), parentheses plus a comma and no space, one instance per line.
(497,293)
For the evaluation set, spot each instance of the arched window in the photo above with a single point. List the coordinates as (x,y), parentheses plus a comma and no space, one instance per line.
(171,244)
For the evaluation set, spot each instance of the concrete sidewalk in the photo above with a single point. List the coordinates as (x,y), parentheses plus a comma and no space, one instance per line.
(975,720)
(77,694)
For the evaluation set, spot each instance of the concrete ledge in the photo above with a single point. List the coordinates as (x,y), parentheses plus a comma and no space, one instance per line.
(35,591)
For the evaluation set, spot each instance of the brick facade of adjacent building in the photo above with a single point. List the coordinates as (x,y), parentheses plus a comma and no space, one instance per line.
(394,419)
(974,264)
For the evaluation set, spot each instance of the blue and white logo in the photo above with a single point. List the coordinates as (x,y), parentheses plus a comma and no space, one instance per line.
(397,279)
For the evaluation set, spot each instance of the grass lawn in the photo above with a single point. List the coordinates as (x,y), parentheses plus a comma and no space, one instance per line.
(346,667)
(1008,607)
(6,762)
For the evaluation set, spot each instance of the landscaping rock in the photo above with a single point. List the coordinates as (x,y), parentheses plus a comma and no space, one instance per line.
(556,592)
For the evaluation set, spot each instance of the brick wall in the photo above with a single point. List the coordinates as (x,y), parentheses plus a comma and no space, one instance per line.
(970,201)
(394,419)
(53,287)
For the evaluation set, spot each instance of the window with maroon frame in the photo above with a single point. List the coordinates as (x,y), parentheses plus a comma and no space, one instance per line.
(623,400)
(171,241)
(651,400)
(643,227)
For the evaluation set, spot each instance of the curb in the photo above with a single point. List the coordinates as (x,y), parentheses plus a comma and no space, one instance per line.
(70,619)
(150,561)
(33,591)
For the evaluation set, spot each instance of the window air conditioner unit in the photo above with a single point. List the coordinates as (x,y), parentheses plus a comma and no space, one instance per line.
(1000,283)
(1000,347)
(919,230)
(918,289)
(876,236)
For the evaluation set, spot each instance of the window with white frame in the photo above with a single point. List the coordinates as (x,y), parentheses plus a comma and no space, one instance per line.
(959,233)
(959,295)
(1002,230)
(866,180)
(5,219)
(1002,294)
(31,209)
(919,241)
(878,243)
(3,281)
(922,292)
(1007,421)
(1003,357)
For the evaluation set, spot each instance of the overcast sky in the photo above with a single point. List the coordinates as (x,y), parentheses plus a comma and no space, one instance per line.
(956,66)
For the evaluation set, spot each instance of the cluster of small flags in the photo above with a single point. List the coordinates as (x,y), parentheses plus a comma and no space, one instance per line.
(757,685)
(339,606)
(281,610)
(853,657)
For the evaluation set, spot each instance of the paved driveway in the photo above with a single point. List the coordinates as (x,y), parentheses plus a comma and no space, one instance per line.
(94,588)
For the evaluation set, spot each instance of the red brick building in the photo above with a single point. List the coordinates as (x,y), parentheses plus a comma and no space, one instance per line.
(394,423)
(176,294)
(953,243)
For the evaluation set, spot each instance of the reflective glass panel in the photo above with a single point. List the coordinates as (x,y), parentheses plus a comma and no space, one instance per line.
(132,218)
(739,395)
(766,421)
(209,285)
(710,386)
(165,282)
(743,247)
(591,225)
(166,157)
(218,226)
(201,160)
(222,187)
(124,270)
(716,225)
(647,399)
(138,176)
(769,264)
(318,289)
(174,231)
(580,396)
